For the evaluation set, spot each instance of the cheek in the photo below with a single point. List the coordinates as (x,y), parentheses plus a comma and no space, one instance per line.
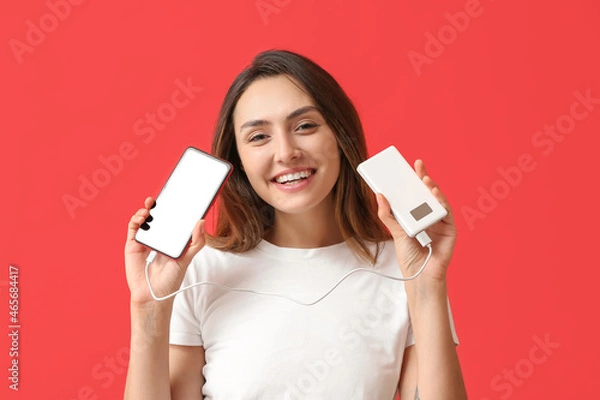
(335,171)
(327,152)
(254,166)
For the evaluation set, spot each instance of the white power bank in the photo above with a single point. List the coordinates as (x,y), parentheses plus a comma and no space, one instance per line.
(412,203)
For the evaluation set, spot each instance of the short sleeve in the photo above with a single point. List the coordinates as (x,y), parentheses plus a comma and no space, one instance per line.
(410,337)
(452,328)
(185,327)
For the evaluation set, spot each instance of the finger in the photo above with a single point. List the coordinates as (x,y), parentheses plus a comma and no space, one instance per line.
(150,202)
(134,225)
(435,189)
(384,213)
(441,197)
(196,244)
(143,212)
(422,173)
(198,233)
(136,221)
(420,168)
(430,183)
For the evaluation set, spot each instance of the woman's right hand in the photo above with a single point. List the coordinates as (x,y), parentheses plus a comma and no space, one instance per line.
(166,274)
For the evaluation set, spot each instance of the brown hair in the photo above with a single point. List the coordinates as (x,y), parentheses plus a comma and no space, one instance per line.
(243,217)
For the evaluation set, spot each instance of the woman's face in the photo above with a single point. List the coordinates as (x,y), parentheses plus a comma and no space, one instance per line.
(287,150)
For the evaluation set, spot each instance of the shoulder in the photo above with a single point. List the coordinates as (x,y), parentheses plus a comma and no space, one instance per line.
(210,257)
(210,261)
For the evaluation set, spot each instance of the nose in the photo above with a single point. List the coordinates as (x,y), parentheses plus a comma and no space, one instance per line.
(287,149)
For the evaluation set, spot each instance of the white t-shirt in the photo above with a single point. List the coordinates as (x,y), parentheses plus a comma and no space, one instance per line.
(348,346)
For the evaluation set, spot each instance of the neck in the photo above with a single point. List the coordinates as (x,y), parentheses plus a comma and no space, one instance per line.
(310,229)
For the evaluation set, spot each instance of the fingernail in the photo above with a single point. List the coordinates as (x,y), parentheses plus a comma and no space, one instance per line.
(202,227)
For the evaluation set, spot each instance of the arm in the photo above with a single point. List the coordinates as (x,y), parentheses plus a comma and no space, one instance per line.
(432,366)
(154,373)
(158,370)
(186,363)
(407,385)
(148,371)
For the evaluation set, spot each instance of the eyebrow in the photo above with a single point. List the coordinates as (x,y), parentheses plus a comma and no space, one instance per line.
(293,114)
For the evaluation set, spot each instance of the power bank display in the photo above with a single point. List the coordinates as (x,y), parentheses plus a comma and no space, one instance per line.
(412,203)
(184,199)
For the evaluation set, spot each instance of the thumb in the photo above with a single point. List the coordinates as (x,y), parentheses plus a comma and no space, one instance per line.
(384,212)
(197,243)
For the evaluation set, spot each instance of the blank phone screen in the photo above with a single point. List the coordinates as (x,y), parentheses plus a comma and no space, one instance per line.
(183,201)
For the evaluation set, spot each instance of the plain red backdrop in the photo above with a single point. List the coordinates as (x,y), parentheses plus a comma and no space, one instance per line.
(471,103)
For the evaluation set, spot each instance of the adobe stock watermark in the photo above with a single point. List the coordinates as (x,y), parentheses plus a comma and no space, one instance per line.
(35,36)
(145,129)
(267,7)
(350,336)
(544,140)
(104,374)
(14,328)
(506,382)
(435,45)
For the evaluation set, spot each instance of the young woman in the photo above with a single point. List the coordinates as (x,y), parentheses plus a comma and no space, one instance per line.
(293,218)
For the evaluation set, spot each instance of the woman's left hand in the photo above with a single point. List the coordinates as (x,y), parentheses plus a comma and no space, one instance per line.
(409,252)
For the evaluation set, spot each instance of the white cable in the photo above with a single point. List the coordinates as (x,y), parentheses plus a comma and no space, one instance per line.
(152,256)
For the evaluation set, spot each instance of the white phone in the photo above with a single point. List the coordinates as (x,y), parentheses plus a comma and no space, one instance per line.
(412,203)
(185,199)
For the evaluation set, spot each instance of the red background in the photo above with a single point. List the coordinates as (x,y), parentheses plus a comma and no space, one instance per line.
(527,269)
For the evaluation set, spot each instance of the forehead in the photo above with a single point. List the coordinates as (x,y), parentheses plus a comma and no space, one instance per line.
(270,99)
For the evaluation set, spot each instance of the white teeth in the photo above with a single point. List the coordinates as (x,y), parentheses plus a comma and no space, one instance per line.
(293,177)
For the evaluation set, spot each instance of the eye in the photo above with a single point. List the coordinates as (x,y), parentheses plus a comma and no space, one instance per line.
(306,126)
(257,137)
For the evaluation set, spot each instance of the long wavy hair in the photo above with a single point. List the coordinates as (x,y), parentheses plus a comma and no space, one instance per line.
(243,217)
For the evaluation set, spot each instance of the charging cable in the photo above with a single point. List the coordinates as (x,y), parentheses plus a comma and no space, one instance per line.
(422,237)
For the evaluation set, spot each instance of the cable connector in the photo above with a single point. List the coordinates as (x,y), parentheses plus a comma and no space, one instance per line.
(151,257)
(423,238)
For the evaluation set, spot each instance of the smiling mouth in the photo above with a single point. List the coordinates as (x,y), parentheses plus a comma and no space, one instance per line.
(290,179)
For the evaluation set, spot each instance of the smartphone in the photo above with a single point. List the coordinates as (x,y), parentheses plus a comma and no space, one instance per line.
(185,199)
(412,203)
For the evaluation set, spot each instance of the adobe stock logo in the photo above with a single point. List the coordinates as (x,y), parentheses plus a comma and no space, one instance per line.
(105,374)
(268,7)
(36,33)
(356,333)
(506,382)
(545,140)
(146,128)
